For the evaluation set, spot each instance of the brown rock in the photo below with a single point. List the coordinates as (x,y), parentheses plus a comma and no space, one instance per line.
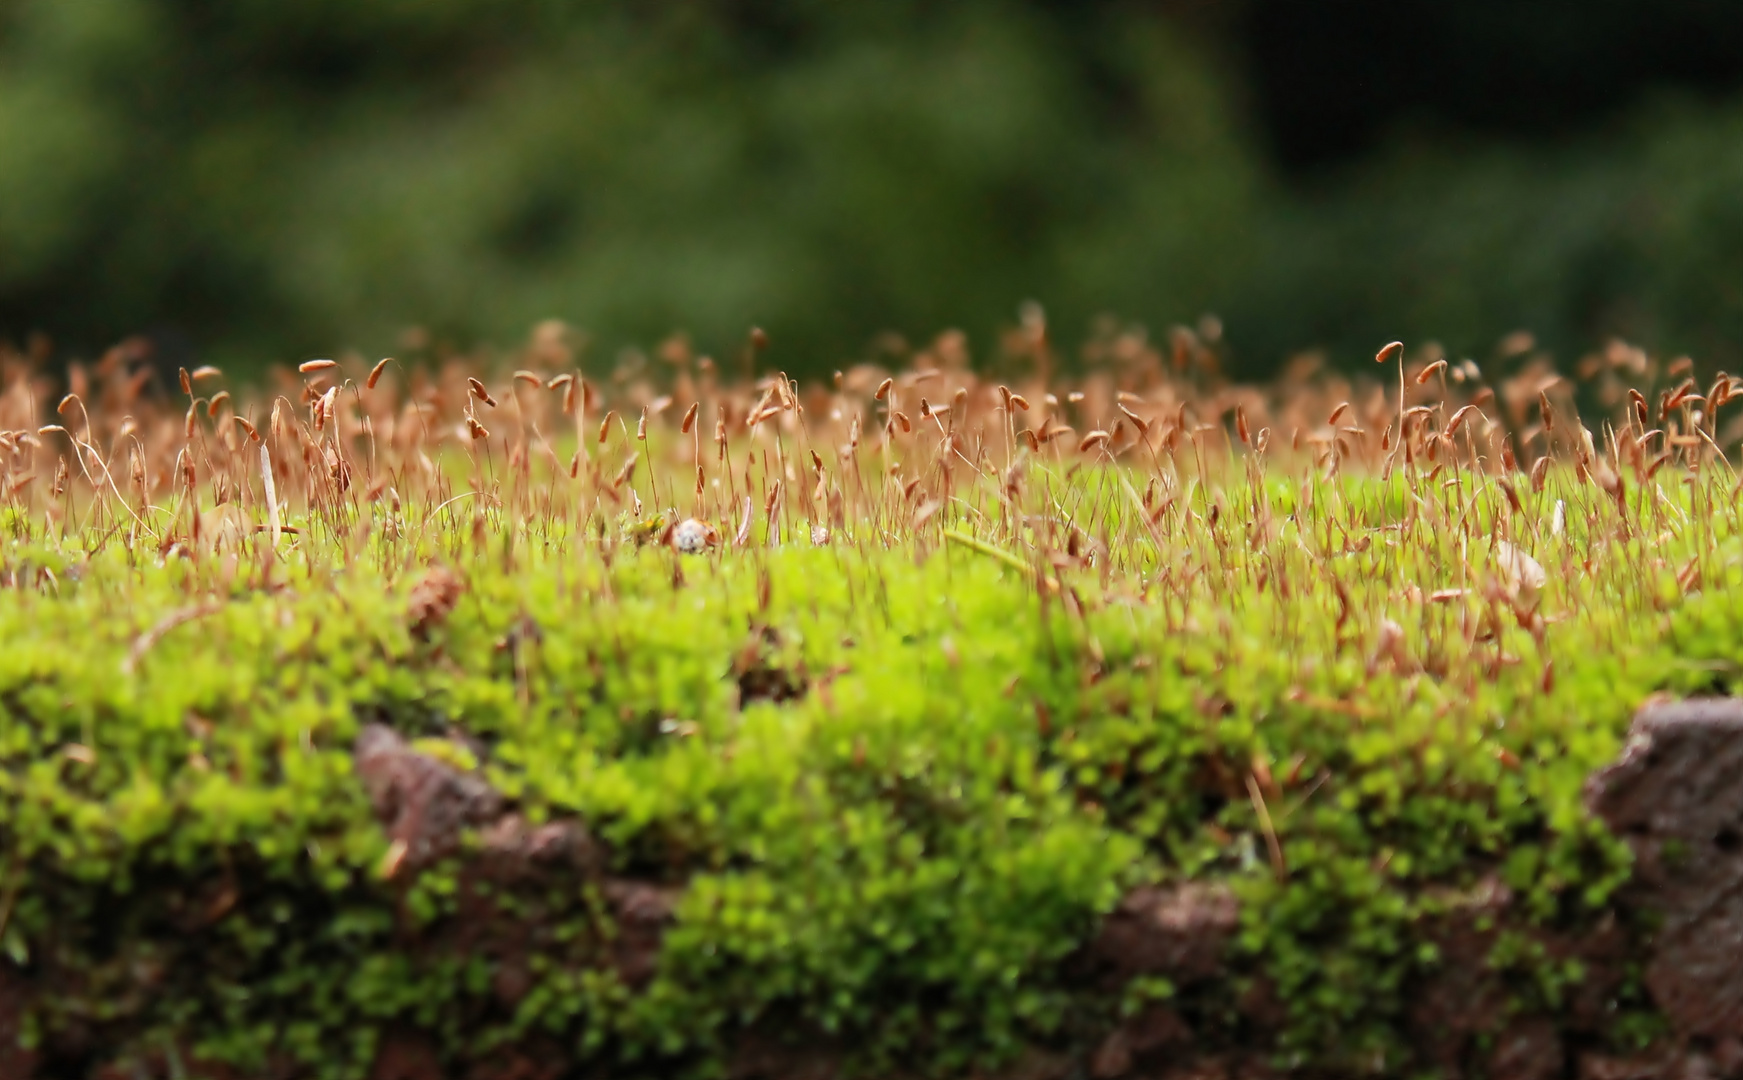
(516,859)
(1035,1063)
(420,800)
(1210,1068)
(1253,1067)
(407,1055)
(1179,932)
(1261,1004)
(1697,1067)
(1462,998)
(515,851)
(1113,1058)
(1655,1065)
(1528,1050)
(15,1060)
(1604,951)
(1728,1057)
(779,1047)
(512,979)
(536,1059)
(1676,795)
(156,1064)
(1154,1029)
(643,911)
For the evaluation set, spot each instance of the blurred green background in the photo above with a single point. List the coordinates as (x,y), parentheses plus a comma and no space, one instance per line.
(253,181)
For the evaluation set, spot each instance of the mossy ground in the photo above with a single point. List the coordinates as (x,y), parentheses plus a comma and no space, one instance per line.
(1349,685)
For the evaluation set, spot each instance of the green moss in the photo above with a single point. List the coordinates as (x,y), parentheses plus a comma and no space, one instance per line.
(903,855)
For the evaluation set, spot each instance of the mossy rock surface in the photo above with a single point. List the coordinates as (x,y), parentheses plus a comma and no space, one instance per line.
(705,815)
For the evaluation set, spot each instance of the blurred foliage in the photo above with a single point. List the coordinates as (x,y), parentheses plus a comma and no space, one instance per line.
(1331,81)
(255,181)
(1635,234)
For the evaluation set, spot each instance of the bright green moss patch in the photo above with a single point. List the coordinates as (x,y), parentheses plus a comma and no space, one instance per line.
(903,854)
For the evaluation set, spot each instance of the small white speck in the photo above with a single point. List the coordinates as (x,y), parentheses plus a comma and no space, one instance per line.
(690,537)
